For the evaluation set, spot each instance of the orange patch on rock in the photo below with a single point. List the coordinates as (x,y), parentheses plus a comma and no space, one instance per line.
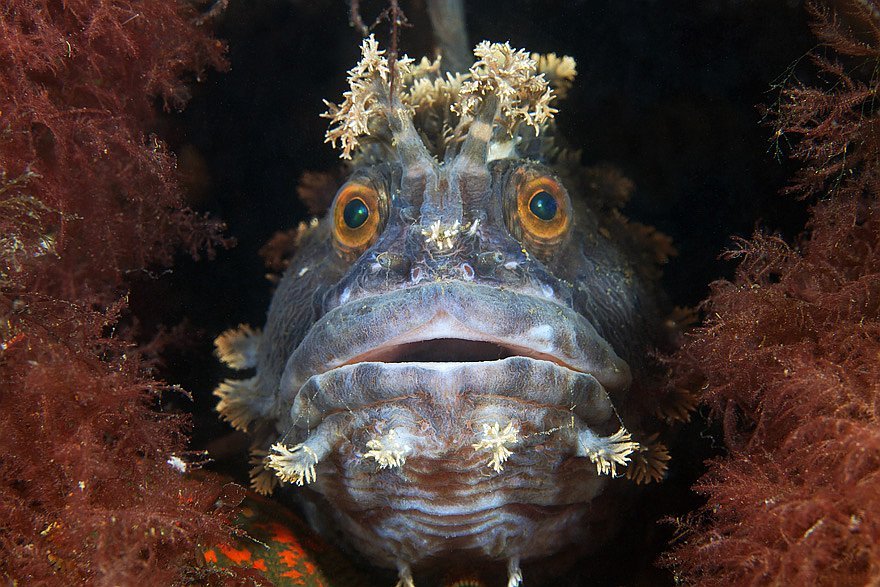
(292,574)
(260,564)
(291,556)
(210,556)
(282,534)
(235,555)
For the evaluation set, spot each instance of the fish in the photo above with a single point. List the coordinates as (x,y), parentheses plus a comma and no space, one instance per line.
(456,364)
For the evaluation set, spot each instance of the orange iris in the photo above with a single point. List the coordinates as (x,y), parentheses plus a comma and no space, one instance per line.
(543,210)
(356,217)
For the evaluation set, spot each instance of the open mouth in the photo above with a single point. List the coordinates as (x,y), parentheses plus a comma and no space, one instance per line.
(448,350)
(441,350)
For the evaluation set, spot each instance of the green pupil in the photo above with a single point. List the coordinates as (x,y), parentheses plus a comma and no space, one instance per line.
(355,213)
(543,205)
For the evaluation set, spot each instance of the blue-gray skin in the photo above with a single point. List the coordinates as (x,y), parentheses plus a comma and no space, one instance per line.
(459,397)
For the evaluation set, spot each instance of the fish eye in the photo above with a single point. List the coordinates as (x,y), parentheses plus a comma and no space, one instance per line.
(543,213)
(356,215)
(543,205)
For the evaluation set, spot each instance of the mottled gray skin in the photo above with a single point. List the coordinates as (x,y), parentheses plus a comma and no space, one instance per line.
(583,309)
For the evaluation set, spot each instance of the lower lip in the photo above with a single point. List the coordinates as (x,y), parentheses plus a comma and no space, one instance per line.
(445,385)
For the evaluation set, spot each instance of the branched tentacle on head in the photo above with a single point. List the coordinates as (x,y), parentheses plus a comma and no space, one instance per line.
(443,107)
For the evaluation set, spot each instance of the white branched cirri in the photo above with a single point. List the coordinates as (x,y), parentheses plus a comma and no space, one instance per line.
(496,440)
(514,77)
(293,465)
(388,451)
(510,74)
(606,451)
(366,100)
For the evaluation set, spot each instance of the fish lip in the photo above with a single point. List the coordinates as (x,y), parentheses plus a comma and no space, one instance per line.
(518,379)
(541,328)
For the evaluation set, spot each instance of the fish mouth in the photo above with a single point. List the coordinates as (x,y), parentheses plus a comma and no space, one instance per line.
(438,349)
(449,331)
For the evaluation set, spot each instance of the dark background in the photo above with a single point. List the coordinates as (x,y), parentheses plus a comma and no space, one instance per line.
(668,91)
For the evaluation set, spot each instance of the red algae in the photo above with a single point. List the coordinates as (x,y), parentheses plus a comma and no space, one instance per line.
(92,490)
(788,354)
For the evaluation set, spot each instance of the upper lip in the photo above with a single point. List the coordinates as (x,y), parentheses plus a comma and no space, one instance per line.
(405,323)
(444,340)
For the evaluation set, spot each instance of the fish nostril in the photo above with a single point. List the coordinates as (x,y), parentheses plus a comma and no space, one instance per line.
(416,274)
(467,272)
(393,262)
